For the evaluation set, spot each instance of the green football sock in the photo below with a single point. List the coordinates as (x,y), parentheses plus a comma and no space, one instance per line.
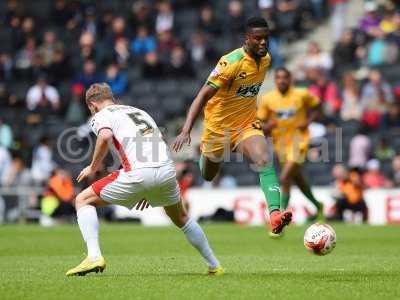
(270,186)
(284,201)
(201,164)
(310,196)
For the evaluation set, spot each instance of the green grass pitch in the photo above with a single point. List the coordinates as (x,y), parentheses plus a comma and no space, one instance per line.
(157,263)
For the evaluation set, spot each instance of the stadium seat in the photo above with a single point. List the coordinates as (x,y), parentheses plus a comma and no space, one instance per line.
(173,105)
(166,88)
(141,87)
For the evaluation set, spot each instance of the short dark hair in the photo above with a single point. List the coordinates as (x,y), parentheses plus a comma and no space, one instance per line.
(256,22)
(98,92)
(283,69)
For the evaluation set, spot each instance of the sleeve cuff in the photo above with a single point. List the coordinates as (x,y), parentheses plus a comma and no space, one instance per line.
(98,131)
(215,86)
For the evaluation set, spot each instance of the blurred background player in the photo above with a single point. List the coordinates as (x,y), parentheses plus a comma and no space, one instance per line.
(148,177)
(285,114)
(230,124)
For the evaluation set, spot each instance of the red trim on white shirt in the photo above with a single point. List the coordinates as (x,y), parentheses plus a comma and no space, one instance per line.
(101,183)
(124,159)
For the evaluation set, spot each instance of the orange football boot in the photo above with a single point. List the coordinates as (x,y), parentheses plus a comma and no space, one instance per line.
(279,220)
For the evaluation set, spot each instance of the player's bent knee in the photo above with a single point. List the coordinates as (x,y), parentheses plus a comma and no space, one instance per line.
(79,200)
(262,162)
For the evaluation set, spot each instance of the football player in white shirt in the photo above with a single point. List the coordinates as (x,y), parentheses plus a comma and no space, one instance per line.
(148,177)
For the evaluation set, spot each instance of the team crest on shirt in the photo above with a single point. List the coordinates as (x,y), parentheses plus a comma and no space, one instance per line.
(215,73)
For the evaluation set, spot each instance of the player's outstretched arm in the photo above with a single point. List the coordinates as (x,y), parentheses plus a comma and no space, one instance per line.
(100,151)
(205,94)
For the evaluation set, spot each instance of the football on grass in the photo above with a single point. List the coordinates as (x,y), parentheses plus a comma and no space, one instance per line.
(320,239)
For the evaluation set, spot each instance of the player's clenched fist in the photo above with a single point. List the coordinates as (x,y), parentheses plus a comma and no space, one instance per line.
(86,172)
(181,139)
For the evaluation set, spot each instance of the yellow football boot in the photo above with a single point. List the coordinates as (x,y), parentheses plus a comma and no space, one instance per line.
(88,265)
(275,235)
(216,271)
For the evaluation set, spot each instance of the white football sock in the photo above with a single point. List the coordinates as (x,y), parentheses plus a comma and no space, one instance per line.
(89,226)
(198,239)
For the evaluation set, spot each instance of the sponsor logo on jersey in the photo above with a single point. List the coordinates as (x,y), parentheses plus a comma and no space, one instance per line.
(248,91)
(285,114)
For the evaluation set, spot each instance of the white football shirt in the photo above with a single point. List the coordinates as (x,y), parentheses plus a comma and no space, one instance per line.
(136,137)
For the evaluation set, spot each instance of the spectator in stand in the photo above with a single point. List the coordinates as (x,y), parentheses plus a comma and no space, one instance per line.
(42,161)
(121,53)
(24,59)
(89,23)
(396,170)
(351,107)
(351,197)
(165,17)
(338,18)
(86,51)
(360,149)
(389,22)
(382,51)
(58,198)
(76,110)
(166,42)
(6,67)
(116,79)
(7,99)
(28,30)
(42,97)
(5,164)
(370,22)
(179,65)
(208,23)
(49,47)
(384,151)
(236,18)
(61,14)
(152,67)
(17,175)
(314,58)
(143,43)
(6,135)
(141,16)
(391,119)
(395,35)
(340,174)
(14,34)
(119,31)
(89,74)
(373,177)
(288,17)
(104,25)
(200,50)
(326,90)
(376,96)
(60,69)
(344,54)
